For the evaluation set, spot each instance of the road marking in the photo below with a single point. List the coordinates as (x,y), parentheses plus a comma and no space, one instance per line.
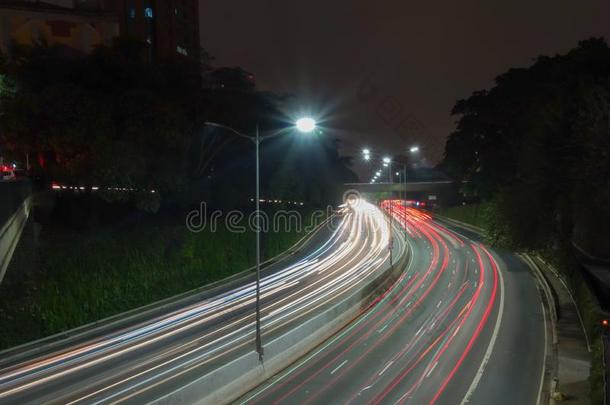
(449,285)
(364,389)
(338,367)
(490,347)
(382,329)
(439,304)
(386,367)
(432,369)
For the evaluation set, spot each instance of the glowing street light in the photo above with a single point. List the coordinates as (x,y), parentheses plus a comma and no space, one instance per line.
(306,124)
(387,160)
(414,149)
(366,151)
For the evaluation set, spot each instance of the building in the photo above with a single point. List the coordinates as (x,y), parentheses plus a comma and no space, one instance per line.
(169,28)
(80,25)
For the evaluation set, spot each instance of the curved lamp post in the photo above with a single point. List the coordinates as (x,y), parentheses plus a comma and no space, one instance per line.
(304,125)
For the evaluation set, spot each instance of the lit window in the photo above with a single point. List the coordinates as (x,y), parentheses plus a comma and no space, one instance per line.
(148,12)
(182,51)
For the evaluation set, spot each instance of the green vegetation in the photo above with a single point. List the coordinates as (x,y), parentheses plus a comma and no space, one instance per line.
(89,276)
(474,214)
(596,376)
(536,145)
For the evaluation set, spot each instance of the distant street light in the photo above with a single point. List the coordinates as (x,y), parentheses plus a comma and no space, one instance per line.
(304,125)
(366,151)
(414,149)
(386,160)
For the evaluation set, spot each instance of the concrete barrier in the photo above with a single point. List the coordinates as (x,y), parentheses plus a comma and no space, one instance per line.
(244,373)
(15,207)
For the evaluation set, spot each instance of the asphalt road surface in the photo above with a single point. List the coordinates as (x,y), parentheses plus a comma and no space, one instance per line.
(144,361)
(463,324)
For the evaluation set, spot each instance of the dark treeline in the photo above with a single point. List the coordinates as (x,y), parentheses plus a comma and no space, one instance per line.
(109,119)
(537,146)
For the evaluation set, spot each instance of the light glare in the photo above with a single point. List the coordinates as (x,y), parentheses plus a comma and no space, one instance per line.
(306,124)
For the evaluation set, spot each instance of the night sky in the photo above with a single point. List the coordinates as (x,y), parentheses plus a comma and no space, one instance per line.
(385,74)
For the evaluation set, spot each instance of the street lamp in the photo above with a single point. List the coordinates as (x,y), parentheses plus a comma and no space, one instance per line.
(304,125)
(387,161)
(366,152)
(414,149)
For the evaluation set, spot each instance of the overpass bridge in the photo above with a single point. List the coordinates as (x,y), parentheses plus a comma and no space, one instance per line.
(434,193)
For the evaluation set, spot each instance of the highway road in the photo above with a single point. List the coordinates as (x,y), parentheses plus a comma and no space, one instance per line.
(463,324)
(143,361)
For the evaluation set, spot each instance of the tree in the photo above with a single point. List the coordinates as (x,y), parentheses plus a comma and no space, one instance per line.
(537,145)
(111,120)
(105,119)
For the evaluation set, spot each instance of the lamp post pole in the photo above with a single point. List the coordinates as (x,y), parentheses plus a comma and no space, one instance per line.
(303,125)
(404,177)
(259,343)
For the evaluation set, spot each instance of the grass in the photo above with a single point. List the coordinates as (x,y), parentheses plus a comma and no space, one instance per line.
(473,214)
(86,277)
